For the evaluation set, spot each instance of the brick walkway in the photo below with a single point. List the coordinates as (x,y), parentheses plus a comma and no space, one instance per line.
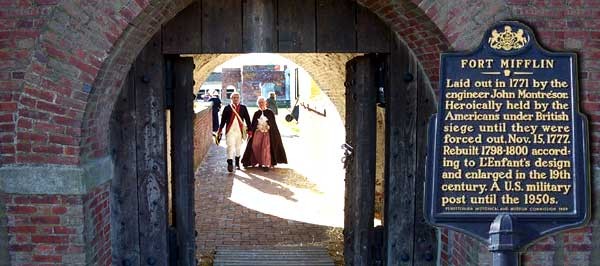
(253,208)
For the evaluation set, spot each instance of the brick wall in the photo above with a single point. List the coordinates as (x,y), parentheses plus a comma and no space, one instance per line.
(97,225)
(202,135)
(45,229)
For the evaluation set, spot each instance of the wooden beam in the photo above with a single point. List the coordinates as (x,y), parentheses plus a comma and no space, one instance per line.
(425,235)
(350,186)
(400,163)
(297,30)
(372,34)
(222,26)
(124,201)
(151,168)
(182,34)
(361,94)
(183,151)
(335,26)
(259,26)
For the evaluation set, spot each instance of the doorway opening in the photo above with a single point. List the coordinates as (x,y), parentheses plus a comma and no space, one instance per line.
(300,203)
(388,75)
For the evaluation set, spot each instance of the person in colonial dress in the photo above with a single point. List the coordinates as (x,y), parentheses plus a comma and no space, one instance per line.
(232,119)
(264,148)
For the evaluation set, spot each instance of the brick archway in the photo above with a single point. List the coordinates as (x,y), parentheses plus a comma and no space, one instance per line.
(78,63)
(82,71)
(75,78)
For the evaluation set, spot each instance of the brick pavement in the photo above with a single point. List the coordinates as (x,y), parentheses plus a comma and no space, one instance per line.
(253,208)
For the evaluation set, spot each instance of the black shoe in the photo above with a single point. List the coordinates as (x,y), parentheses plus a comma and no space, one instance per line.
(265,168)
(237,163)
(230,165)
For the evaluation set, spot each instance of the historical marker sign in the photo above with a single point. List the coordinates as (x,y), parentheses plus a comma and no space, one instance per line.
(508,139)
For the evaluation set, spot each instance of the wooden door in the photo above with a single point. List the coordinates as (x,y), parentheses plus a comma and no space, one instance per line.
(182,151)
(360,166)
(409,104)
(138,198)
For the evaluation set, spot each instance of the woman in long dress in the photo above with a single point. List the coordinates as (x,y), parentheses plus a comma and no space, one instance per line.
(264,146)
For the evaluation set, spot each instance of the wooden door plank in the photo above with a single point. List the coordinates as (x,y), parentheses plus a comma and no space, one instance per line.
(350,186)
(296,22)
(425,235)
(362,181)
(222,26)
(400,160)
(124,201)
(182,34)
(151,167)
(259,26)
(335,26)
(183,151)
(372,34)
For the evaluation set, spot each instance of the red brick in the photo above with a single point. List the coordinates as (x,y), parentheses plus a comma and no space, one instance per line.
(21,248)
(47,258)
(64,230)
(68,102)
(45,199)
(25,136)
(46,2)
(52,149)
(9,86)
(21,209)
(48,127)
(41,94)
(67,140)
(65,121)
(22,229)
(51,107)
(7,127)
(59,210)
(45,219)
(28,101)
(7,159)
(6,118)
(71,151)
(49,239)
(9,107)
(54,52)
(7,138)
(578,247)
(74,132)
(89,69)
(25,123)
(44,249)
(24,147)
(22,239)
(34,114)
(7,149)
(21,199)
